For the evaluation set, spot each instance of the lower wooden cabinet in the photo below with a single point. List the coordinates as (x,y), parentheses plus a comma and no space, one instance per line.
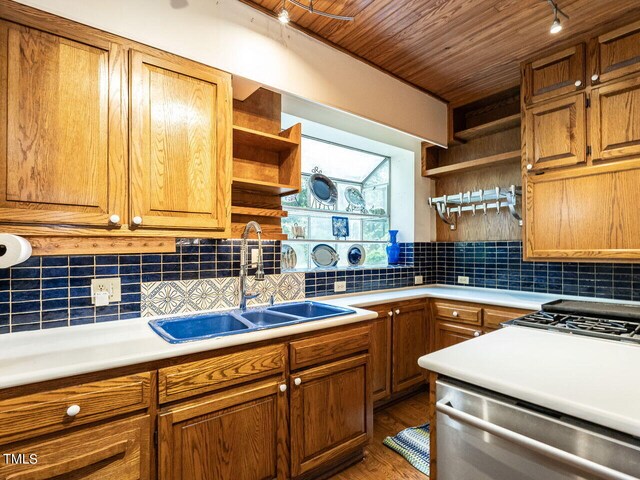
(331,413)
(118,450)
(448,334)
(239,434)
(410,342)
(380,353)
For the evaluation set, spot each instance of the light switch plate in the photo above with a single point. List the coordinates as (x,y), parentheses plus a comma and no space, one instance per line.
(109,285)
(463,280)
(340,286)
(418,280)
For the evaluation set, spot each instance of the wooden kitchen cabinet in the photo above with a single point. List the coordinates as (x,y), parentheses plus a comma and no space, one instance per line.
(615,54)
(331,412)
(410,342)
(556,134)
(554,75)
(380,353)
(240,434)
(63,137)
(447,334)
(118,450)
(615,119)
(181,144)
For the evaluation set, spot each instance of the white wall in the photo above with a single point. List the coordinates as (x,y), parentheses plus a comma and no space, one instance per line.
(234,37)
(410,212)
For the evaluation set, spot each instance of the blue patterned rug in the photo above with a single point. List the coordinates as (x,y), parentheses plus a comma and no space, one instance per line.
(414,445)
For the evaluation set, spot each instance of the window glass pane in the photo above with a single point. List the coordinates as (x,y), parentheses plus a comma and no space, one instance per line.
(375,230)
(376,198)
(331,159)
(302,253)
(320,228)
(376,254)
(289,223)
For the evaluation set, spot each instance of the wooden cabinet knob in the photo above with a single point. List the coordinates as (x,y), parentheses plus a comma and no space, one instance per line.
(529,166)
(283,388)
(297,381)
(398,312)
(595,77)
(137,220)
(114,219)
(73,410)
(578,83)
(455,314)
(390,313)
(476,334)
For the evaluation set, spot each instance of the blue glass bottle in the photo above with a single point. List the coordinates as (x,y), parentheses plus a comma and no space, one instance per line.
(393,248)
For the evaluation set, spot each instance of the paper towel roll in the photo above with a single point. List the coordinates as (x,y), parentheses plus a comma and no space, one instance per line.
(13,250)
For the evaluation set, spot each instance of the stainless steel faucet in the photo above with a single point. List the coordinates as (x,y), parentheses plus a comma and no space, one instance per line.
(245,264)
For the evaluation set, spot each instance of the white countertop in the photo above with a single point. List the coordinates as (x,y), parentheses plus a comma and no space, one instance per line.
(593,379)
(36,356)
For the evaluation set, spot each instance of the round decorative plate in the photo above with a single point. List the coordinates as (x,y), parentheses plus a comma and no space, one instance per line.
(289,258)
(324,255)
(354,197)
(323,189)
(356,255)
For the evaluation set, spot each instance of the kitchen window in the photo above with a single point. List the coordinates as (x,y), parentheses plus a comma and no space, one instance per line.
(342,188)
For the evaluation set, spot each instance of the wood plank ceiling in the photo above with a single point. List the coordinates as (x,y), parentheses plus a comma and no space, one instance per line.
(461,50)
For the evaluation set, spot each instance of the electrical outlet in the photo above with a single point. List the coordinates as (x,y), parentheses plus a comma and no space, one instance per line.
(340,286)
(418,280)
(463,280)
(254,256)
(109,285)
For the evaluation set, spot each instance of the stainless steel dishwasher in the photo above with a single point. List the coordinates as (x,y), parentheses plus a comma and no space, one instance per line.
(485,436)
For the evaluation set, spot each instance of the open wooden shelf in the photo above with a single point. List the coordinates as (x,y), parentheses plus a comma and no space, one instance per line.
(266,187)
(258,212)
(263,140)
(474,164)
(495,126)
(269,232)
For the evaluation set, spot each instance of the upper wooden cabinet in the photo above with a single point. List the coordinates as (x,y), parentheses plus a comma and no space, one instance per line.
(180,144)
(62,146)
(615,119)
(555,133)
(615,54)
(554,75)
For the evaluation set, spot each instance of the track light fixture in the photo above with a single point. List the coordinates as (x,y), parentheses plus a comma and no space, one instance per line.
(556,26)
(283,14)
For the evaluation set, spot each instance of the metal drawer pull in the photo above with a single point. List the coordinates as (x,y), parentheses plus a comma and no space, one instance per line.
(297,381)
(390,313)
(455,313)
(137,220)
(114,219)
(283,388)
(398,312)
(595,77)
(476,334)
(578,83)
(443,406)
(73,410)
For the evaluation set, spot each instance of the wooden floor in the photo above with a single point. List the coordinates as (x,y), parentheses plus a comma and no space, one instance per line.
(380,462)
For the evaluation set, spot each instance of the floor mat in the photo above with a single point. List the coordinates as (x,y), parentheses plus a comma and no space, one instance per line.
(413,444)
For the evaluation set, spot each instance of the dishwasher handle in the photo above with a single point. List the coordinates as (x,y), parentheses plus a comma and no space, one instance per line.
(445,407)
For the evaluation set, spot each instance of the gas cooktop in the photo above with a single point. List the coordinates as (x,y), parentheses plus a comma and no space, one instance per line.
(603,320)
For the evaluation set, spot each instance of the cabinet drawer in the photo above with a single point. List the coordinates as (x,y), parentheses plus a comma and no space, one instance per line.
(494,316)
(31,415)
(458,312)
(118,450)
(312,351)
(185,380)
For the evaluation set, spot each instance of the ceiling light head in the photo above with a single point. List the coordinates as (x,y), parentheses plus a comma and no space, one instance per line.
(283,16)
(556,26)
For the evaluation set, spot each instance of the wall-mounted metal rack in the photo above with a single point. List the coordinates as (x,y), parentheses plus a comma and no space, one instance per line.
(450,207)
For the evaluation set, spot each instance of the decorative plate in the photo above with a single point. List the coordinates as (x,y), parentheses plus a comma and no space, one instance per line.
(289,258)
(355,199)
(324,255)
(340,227)
(356,255)
(323,189)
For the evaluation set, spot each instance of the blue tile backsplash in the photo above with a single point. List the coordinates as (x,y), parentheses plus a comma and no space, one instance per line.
(48,292)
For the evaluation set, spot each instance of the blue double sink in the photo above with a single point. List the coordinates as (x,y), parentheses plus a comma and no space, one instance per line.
(208,325)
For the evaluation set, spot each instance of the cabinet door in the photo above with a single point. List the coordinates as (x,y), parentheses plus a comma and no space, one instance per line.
(410,342)
(380,353)
(240,434)
(615,120)
(62,137)
(554,75)
(583,213)
(616,53)
(331,412)
(555,134)
(113,451)
(448,334)
(180,144)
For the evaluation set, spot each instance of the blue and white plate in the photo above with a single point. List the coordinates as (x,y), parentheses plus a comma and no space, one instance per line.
(356,255)
(323,190)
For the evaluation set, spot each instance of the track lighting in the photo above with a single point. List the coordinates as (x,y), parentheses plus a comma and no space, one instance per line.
(283,15)
(556,26)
